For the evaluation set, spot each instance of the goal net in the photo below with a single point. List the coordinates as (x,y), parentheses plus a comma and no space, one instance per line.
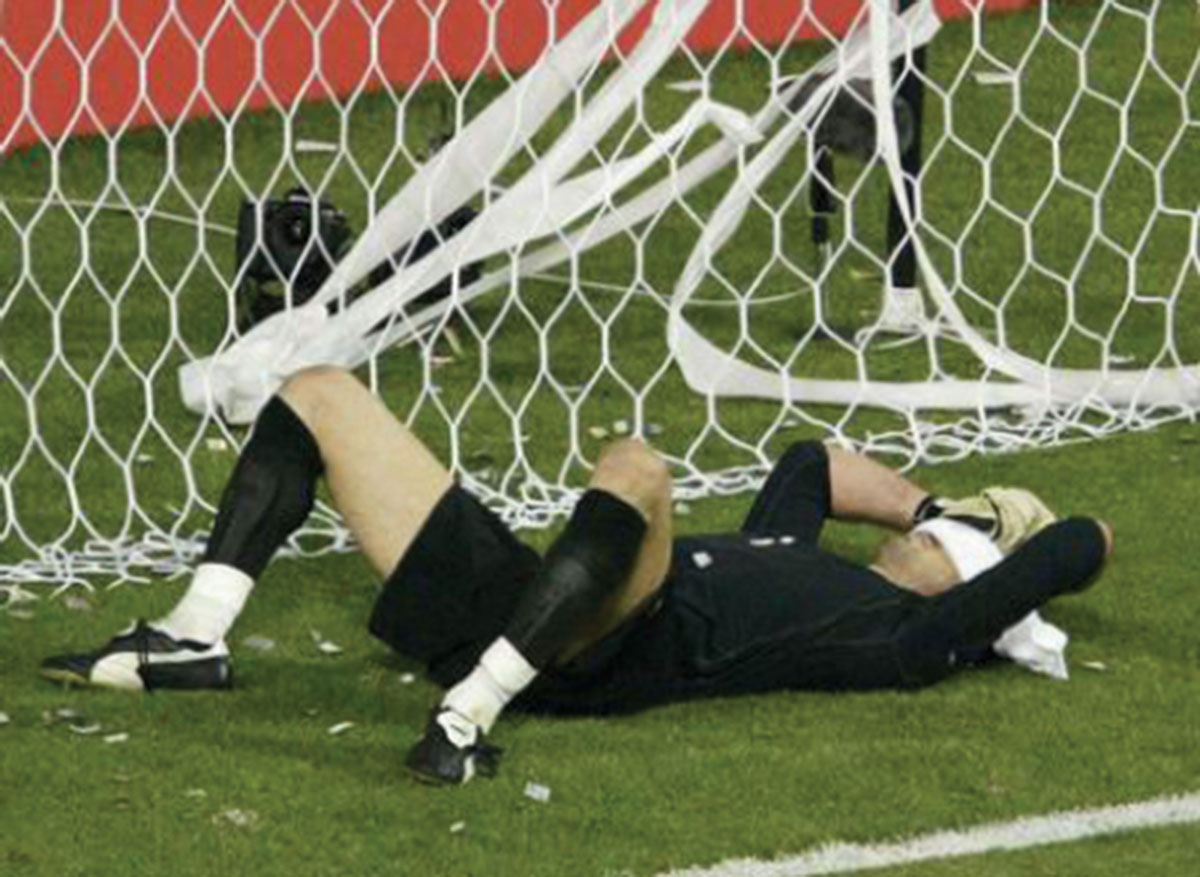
(927,229)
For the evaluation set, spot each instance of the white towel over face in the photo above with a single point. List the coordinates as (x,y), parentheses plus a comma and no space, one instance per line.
(1032,642)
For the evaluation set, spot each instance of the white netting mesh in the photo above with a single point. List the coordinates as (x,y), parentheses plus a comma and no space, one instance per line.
(686,239)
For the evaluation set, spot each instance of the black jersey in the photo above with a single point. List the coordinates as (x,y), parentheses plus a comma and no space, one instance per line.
(767,609)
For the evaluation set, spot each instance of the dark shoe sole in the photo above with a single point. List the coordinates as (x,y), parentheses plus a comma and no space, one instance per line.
(428,779)
(66,677)
(193,676)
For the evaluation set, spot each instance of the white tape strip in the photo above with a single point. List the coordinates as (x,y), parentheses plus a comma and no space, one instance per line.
(539,205)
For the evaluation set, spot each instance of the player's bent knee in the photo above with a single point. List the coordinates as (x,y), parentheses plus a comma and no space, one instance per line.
(633,472)
(316,380)
(313,392)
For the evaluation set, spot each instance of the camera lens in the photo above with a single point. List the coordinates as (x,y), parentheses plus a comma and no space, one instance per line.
(297,230)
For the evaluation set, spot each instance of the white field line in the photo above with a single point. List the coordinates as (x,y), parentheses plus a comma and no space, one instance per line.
(1052,828)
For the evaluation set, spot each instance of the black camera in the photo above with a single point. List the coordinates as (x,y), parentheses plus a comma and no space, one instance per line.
(303,239)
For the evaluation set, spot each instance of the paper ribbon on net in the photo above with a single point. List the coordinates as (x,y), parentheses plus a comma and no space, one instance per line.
(544,202)
(238,379)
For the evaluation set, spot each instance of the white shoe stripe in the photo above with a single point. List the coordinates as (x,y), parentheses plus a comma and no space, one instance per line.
(117,671)
(120,669)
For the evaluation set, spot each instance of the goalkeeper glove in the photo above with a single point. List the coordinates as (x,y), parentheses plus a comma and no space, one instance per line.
(1007,515)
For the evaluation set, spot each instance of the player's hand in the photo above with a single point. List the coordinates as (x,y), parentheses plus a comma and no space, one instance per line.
(1008,515)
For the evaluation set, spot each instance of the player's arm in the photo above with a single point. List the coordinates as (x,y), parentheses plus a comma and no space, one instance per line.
(1064,557)
(861,489)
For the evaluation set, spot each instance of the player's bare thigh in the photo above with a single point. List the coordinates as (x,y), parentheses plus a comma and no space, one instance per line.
(635,474)
(384,481)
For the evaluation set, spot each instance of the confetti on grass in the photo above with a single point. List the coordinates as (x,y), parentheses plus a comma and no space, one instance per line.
(458,827)
(121,737)
(312,146)
(77,603)
(236,818)
(259,643)
(4,719)
(1098,666)
(340,728)
(324,646)
(994,77)
(537,792)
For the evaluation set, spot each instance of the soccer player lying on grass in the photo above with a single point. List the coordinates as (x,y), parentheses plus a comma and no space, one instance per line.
(617,615)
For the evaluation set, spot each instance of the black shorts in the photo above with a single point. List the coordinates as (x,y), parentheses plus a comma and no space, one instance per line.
(455,589)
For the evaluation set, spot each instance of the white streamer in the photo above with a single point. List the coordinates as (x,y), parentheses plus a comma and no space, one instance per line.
(542,204)
(238,380)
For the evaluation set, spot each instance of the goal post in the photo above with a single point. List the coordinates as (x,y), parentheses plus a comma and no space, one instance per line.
(636,185)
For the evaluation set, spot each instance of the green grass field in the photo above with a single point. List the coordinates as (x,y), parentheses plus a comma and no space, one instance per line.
(675,786)
(94,352)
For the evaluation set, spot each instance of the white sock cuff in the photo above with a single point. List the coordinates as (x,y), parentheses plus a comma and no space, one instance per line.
(210,605)
(223,583)
(507,666)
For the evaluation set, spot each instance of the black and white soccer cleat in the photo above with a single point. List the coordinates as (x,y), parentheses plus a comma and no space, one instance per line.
(452,751)
(143,658)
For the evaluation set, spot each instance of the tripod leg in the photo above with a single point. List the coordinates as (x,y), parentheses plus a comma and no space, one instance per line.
(823,205)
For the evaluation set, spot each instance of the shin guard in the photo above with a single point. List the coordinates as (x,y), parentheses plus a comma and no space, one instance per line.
(269,494)
(591,559)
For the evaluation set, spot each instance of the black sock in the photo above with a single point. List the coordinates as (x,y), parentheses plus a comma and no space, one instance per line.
(269,494)
(587,563)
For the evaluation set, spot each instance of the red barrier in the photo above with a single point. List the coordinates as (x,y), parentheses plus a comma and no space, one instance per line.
(70,67)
